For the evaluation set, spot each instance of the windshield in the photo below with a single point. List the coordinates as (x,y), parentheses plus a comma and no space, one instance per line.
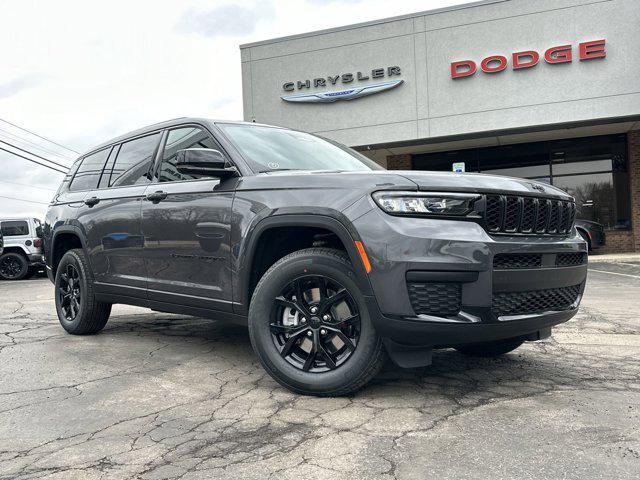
(270,149)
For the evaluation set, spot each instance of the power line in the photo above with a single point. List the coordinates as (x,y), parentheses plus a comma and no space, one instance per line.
(24,140)
(33,161)
(39,136)
(35,155)
(21,200)
(27,185)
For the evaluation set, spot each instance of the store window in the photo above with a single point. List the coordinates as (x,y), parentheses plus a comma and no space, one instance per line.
(593,170)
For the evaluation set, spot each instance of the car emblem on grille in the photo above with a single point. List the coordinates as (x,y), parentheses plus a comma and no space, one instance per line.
(537,187)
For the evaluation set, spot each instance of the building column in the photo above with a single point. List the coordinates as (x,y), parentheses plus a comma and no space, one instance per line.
(399,162)
(634,180)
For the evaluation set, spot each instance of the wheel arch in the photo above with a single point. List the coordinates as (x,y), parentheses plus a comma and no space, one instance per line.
(325,222)
(64,239)
(15,249)
(585,234)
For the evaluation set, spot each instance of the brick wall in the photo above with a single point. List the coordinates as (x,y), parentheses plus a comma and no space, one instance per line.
(618,241)
(399,162)
(634,179)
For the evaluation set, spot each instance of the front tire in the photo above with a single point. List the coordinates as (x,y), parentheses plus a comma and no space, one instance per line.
(309,325)
(78,310)
(491,349)
(13,266)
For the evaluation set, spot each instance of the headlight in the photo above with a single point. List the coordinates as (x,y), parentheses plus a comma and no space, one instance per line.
(413,203)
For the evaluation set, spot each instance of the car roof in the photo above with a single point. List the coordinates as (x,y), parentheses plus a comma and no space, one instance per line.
(162,125)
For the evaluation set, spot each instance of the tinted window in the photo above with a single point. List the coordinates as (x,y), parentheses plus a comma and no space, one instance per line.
(88,174)
(180,139)
(15,228)
(134,161)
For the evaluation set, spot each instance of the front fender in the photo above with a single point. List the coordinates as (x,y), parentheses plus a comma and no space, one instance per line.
(325,218)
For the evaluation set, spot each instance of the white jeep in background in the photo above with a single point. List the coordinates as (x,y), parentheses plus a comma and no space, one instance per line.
(22,253)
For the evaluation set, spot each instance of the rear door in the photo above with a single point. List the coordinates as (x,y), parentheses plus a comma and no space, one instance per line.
(111,216)
(187,233)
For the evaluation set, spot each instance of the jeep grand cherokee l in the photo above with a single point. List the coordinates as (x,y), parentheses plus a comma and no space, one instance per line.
(332,261)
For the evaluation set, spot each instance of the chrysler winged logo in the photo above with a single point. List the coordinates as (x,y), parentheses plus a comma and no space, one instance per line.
(347,94)
(352,87)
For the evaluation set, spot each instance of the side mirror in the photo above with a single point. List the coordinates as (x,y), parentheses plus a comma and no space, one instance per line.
(204,161)
(39,232)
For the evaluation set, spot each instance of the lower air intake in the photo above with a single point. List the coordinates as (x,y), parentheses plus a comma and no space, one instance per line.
(437,299)
(520,303)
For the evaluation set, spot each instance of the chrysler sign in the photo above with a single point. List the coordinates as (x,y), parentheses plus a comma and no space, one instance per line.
(352,88)
(529,58)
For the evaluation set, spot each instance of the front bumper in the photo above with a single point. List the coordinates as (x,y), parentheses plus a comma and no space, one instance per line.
(445,252)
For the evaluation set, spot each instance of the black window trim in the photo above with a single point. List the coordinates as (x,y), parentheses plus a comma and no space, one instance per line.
(113,145)
(82,159)
(163,141)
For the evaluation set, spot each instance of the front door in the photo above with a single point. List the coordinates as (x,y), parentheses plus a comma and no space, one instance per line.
(186,223)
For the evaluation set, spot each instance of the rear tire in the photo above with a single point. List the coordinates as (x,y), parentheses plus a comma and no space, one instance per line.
(334,351)
(491,349)
(78,310)
(13,266)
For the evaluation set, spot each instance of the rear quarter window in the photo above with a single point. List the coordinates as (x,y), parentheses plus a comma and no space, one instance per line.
(88,174)
(14,228)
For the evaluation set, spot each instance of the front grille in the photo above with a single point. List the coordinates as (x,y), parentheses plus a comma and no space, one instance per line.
(528,215)
(519,303)
(508,261)
(439,299)
(570,259)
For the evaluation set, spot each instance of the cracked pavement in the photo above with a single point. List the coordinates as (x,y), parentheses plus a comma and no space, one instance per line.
(159,396)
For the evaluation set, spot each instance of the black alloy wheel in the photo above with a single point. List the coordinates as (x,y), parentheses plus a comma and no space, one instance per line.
(315,323)
(70,292)
(13,266)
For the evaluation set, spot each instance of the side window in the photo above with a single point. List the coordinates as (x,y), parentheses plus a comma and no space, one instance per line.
(180,139)
(14,228)
(134,161)
(86,178)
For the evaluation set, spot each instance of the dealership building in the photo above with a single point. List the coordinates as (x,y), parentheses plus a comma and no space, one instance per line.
(540,89)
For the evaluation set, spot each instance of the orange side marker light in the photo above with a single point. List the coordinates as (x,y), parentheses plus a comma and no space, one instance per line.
(363,255)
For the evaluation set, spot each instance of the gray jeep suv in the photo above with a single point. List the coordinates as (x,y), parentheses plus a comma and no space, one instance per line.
(332,261)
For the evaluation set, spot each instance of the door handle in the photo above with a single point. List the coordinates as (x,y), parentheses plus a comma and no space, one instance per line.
(92,201)
(156,197)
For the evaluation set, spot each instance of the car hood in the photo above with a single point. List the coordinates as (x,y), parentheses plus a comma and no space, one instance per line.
(400,179)
(478,182)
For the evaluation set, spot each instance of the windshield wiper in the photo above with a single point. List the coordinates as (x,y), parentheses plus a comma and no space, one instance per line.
(278,170)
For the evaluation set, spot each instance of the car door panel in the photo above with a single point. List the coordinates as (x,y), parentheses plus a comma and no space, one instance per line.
(114,239)
(187,244)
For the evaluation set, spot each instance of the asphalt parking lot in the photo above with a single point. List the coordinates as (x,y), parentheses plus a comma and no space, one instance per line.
(164,396)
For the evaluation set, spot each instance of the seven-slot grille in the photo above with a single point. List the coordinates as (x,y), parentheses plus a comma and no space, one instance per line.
(529,215)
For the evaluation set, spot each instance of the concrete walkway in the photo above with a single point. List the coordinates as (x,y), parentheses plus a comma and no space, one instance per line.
(615,257)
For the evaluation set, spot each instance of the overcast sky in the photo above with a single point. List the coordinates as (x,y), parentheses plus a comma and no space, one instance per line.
(81,72)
